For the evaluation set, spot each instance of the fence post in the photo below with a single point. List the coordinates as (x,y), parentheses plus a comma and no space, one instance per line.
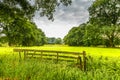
(57,56)
(24,55)
(80,62)
(19,55)
(84,60)
(41,55)
(33,54)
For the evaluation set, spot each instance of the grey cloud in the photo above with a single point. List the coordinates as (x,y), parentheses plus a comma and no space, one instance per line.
(73,13)
(65,18)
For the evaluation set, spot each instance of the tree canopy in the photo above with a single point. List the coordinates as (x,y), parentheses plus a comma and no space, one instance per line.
(22,32)
(105,12)
(27,8)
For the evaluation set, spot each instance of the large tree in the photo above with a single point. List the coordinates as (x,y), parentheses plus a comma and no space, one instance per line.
(23,32)
(83,35)
(27,8)
(106,14)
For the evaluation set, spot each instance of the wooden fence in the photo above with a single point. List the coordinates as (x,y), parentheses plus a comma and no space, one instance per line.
(79,58)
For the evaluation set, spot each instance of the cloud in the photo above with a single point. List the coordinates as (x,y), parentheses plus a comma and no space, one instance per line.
(74,13)
(65,18)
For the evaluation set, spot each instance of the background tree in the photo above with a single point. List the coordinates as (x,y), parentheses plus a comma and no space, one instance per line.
(51,40)
(106,14)
(111,35)
(58,41)
(75,36)
(92,35)
(40,37)
(84,35)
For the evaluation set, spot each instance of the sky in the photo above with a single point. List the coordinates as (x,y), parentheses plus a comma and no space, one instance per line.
(64,19)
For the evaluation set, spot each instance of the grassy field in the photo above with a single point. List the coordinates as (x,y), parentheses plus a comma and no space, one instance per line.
(104,64)
(92,51)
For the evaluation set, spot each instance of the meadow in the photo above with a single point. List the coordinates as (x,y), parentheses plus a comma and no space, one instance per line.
(92,51)
(102,64)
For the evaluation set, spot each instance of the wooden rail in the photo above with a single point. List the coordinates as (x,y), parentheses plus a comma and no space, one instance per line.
(80,58)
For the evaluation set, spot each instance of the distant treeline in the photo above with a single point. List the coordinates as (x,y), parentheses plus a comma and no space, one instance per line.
(93,35)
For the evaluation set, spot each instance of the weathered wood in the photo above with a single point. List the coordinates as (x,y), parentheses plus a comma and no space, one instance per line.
(81,66)
(84,60)
(24,55)
(20,55)
(64,56)
(48,58)
(48,51)
(41,54)
(55,55)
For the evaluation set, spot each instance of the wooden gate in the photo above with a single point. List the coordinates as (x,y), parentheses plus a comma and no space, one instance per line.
(79,58)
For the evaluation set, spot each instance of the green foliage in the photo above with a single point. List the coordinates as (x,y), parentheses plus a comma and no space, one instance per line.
(106,14)
(23,32)
(92,35)
(27,8)
(53,40)
(58,41)
(111,35)
(74,36)
(40,38)
(84,35)
(3,39)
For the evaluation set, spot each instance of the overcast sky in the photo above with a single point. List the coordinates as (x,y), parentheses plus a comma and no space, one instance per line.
(65,18)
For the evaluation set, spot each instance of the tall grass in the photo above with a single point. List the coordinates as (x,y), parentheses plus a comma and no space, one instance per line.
(102,64)
(99,68)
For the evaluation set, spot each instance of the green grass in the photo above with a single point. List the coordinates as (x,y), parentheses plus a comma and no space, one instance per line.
(106,66)
(97,69)
(93,51)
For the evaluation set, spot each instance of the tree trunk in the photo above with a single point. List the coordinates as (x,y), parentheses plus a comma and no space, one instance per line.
(111,41)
